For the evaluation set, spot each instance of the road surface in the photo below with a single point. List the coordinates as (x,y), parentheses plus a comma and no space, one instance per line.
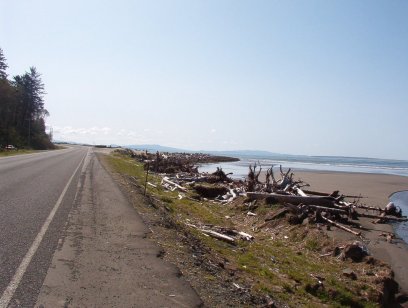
(69,238)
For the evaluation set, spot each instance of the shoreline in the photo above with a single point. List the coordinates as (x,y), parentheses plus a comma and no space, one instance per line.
(376,190)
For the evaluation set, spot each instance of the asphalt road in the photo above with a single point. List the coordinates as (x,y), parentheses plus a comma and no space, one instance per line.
(70,238)
(36,194)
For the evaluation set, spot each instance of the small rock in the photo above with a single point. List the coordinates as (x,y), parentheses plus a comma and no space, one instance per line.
(349,273)
(336,251)
(355,251)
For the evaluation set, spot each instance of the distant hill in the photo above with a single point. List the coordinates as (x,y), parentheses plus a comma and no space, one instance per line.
(157,147)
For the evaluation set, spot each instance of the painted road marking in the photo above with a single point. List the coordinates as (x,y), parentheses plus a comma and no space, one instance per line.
(14,283)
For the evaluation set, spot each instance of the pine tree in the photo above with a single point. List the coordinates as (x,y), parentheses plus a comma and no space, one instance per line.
(3,65)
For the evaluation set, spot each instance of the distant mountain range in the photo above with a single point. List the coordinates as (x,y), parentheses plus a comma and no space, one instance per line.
(157,147)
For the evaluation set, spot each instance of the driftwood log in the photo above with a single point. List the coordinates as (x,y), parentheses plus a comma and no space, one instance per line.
(166,180)
(390,218)
(295,200)
(340,226)
(219,236)
(327,209)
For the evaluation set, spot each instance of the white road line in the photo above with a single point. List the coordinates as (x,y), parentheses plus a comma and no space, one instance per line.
(14,283)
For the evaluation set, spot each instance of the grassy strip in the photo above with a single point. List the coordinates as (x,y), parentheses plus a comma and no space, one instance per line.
(6,153)
(283,261)
(16,152)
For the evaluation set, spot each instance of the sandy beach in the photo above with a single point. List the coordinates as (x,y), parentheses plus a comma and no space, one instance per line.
(375,188)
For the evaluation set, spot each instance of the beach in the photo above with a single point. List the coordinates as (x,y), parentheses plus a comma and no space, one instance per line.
(376,189)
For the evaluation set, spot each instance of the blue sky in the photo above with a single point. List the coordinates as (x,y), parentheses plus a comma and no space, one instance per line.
(298,77)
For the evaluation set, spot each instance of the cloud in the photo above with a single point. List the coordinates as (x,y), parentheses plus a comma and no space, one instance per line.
(70,131)
(105,135)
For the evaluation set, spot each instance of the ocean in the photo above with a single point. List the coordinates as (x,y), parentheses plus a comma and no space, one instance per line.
(321,163)
(325,163)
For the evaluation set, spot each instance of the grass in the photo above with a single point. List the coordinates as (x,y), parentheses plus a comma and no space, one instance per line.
(283,261)
(16,152)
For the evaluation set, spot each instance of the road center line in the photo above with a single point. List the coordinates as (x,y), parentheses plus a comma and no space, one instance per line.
(14,283)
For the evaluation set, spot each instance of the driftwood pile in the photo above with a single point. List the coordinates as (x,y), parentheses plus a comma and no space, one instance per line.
(172,163)
(180,172)
(331,209)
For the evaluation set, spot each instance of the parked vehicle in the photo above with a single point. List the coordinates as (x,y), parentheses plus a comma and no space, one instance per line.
(10,147)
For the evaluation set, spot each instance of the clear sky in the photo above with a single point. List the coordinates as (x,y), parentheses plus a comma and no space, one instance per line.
(299,77)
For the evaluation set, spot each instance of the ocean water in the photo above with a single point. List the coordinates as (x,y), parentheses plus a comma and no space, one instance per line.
(401,199)
(321,163)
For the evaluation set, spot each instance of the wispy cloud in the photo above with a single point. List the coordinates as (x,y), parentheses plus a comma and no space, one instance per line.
(71,131)
(105,135)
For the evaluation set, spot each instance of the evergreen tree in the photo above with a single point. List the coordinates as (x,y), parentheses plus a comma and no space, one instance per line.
(3,65)
(22,112)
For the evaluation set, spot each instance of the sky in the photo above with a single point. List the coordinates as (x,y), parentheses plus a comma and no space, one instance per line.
(297,77)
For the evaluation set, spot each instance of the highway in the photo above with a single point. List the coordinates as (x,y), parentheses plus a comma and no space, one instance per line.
(31,187)
(70,238)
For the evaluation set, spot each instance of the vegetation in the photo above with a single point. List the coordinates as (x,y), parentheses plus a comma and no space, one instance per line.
(284,262)
(22,112)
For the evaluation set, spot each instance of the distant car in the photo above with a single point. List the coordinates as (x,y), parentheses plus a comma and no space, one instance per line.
(10,147)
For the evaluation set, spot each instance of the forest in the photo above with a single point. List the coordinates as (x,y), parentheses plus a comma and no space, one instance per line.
(22,112)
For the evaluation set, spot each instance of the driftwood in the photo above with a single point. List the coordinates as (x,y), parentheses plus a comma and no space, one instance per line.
(253,176)
(245,236)
(295,200)
(340,226)
(280,213)
(390,218)
(328,209)
(333,194)
(151,184)
(219,236)
(166,180)
(299,191)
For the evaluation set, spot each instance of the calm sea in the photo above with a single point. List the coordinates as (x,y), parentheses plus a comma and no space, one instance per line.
(322,163)
(326,163)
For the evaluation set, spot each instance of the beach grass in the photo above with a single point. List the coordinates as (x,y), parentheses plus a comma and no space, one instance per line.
(284,261)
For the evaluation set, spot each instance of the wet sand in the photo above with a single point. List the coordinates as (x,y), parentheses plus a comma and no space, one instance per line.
(376,189)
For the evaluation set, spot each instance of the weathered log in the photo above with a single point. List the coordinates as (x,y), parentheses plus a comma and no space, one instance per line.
(299,191)
(341,226)
(219,236)
(390,218)
(151,184)
(318,193)
(295,200)
(245,236)
(166,180)
(328,209)
(372,208)
(280,213)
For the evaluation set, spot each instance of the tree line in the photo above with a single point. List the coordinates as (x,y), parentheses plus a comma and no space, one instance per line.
(22,112)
